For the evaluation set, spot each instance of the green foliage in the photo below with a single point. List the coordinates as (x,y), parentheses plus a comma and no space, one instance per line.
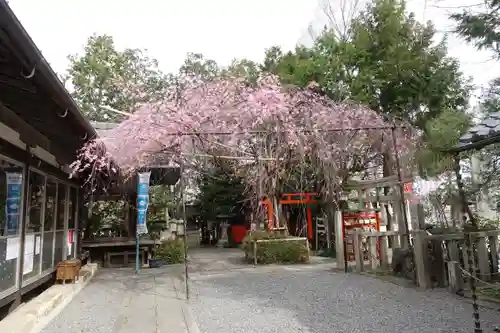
(488,224)
(104,76)
(171,251)
(160,198)
(202,69)
(108,214)
(390,62)
(441,134)
(277,251)
(198,67)
(221,193)
(482,28)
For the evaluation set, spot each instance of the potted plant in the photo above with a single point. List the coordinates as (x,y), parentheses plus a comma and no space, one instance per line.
(154,230)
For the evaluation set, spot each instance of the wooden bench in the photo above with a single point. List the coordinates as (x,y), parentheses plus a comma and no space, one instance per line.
(125,255)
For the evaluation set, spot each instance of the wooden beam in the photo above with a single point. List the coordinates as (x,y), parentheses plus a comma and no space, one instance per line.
(385,198)
(17,83)
(374,183)
(27,132)
(30,135)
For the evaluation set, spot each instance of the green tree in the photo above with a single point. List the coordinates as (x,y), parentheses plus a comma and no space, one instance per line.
(221,192)
(480,25)
(105,76)
(388,61)
(199,68)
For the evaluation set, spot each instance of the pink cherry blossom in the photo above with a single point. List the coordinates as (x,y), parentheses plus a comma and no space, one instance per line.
(267,128)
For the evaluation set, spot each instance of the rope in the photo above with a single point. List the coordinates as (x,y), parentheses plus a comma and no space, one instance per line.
(494,286)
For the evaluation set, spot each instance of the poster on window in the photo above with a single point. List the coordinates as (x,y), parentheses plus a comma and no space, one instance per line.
(13,202)
(142,201)
(29,255)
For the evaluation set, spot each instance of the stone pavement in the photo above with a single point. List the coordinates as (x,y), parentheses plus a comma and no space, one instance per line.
(118,301)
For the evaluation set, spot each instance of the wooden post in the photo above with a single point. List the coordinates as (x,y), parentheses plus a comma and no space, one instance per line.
(421,259)
(255,253)
(399,215)
(339,240)
(465,256)
(358,252)
(373,252)
(454,277)
(494,248)
(384,252)
(483,259)
(453,250)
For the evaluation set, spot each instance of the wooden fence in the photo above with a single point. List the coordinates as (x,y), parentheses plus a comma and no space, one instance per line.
(440,260)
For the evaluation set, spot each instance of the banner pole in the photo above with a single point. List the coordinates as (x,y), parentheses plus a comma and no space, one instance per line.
(142,208)
(136,253)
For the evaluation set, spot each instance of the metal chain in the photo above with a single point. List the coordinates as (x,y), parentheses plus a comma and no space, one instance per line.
(469,243)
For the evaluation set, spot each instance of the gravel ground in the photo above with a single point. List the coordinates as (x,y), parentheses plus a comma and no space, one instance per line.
(289,301)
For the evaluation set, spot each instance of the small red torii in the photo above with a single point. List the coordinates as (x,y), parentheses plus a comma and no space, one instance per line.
(292,199)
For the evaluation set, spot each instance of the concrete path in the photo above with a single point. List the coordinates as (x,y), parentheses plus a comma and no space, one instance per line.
(118,301)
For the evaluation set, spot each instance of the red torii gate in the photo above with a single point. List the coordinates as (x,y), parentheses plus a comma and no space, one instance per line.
(300,198)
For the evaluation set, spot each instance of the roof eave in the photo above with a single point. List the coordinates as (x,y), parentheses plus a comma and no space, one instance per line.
(31,51)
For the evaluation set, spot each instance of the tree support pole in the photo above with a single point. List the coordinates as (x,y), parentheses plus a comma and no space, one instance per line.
(184,218)
(402,204)
(469,243)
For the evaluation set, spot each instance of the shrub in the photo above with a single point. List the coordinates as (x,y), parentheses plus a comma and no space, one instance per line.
(277,251)
(171,251)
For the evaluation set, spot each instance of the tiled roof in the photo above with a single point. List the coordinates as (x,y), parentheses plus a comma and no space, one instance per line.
(486,132)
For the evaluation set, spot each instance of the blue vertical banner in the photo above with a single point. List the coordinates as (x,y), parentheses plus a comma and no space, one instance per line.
(13,202)
(142,201)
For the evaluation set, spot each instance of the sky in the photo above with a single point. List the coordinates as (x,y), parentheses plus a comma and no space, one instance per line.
(220,29)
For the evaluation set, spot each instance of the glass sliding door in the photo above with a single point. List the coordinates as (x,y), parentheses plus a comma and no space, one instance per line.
(60,223)
(34,225)
(49,225)
(72,206)
(11,207)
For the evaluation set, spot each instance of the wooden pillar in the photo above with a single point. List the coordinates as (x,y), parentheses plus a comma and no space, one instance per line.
(339,239)
(373,253)
(454,277)
(483,259)
(494,249)
(358,252)
(421,259)
(309,224)
(384,252)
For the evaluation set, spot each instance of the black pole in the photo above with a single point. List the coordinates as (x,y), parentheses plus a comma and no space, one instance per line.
(183,202)
(401,187)
(345,255)
(469,243)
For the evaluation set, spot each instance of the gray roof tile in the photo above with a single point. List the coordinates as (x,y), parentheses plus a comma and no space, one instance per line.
(487,128)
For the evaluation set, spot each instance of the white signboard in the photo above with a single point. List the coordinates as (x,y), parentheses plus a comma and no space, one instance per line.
(29,257)
(13,248)
(38,244)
